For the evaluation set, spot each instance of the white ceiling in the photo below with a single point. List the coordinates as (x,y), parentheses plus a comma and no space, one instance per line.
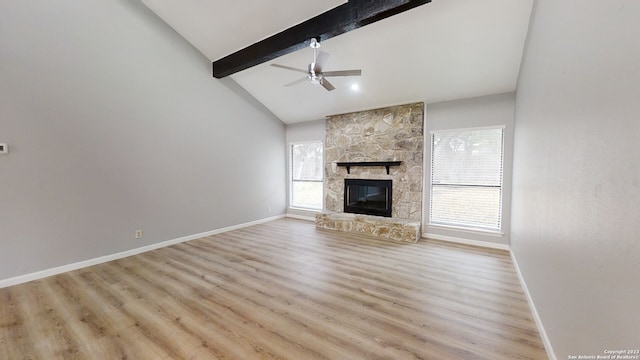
(444,50)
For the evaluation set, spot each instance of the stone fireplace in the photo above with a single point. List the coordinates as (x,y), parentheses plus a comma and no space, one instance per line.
(381,136)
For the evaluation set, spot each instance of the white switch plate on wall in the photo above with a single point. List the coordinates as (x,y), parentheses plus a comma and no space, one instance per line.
(4,149)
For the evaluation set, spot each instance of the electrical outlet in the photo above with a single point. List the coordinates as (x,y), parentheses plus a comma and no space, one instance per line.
(269,209)
(138,234)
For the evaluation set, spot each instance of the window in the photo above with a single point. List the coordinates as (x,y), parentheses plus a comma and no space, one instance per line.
(466,178)
(307,171)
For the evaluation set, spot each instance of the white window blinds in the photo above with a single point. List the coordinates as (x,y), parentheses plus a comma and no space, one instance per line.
(466,178)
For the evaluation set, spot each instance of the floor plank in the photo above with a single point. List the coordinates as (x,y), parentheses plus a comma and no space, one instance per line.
(279,290)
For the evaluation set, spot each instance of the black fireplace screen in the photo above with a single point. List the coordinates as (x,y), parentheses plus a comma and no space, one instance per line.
(372,197)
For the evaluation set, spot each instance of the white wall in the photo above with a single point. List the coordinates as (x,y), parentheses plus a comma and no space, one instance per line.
(301,132)
(575,219)
(306,131)
(114,124)
(469,113)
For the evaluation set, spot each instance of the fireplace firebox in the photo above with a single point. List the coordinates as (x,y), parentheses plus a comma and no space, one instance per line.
(371,197)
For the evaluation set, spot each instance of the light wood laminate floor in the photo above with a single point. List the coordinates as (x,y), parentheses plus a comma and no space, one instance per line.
(280,290)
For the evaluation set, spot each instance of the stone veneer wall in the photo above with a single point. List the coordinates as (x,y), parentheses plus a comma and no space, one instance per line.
(394,133)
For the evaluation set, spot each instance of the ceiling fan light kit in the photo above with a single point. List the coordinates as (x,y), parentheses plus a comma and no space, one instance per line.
(315,75)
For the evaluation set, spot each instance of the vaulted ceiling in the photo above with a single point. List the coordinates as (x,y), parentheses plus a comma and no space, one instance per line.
(444,50)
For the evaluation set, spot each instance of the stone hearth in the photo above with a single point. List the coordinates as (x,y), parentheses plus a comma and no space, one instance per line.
(388,134)
(381,227)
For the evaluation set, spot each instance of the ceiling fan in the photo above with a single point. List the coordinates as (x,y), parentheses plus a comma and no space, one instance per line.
(315,75)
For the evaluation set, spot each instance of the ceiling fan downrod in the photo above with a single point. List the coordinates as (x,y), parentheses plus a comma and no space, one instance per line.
(313,77)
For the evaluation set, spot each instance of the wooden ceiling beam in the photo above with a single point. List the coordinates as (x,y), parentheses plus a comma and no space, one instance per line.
(339,20)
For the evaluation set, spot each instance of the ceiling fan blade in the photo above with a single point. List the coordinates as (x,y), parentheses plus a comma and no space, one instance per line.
(327,85)
(321,61)
(298,81)
(342,73)
(289,68)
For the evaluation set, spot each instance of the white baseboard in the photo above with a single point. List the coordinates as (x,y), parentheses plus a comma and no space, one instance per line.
(467,241)
(534,311)
(86,263)
(301,217)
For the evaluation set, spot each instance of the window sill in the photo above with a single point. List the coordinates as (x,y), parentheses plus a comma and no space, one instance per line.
(301,208)
(466,230)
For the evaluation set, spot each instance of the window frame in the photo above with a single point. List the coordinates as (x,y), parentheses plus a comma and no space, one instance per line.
(291,180)
(459,226)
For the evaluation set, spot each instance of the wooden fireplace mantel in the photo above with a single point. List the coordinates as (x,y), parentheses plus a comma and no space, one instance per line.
(386,164)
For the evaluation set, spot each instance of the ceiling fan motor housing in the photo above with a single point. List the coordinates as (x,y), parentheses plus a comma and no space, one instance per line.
(314,78)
